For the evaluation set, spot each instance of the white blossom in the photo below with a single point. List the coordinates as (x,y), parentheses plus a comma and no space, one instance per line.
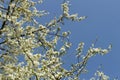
(31,50)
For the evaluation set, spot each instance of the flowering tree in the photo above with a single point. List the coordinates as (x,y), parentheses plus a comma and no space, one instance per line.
(21,34)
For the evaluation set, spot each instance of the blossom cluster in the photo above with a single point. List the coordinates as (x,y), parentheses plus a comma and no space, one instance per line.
(73,17)
(29,49)
(99,75)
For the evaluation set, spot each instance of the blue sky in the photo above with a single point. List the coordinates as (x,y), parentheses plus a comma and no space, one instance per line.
(102,22)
